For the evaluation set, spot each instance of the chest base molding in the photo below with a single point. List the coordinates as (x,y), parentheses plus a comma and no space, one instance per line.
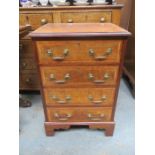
(50,127)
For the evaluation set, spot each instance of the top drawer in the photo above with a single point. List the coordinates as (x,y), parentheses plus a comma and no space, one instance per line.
(35,19)
(79,52)
(86,17)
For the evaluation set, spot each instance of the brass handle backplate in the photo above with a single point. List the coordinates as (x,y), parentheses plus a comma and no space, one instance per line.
(96,117)
(57,58)
(63,117)
(44,21)
(91,77)
(58,100)
(70,20)
(66,77)
(91,99)
(102,19)
(102,57)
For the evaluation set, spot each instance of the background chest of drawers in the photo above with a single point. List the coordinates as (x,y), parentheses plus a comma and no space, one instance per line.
(35,17)
(80,67)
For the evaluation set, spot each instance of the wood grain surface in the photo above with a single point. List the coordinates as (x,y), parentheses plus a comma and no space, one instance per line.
(59,97)
(79,51)
(79,29)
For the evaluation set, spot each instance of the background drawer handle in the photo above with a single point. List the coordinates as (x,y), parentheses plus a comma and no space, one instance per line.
(21,47)
(66,77)
(102,57)
(70,20)
(57,99)
(57,58)
(102,20)
(28,80)
(24,64)
(91,77)
(95,118)
(63,117)
(44,21)
(91,98)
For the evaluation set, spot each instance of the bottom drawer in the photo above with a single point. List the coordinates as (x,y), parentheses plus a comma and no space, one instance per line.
(79,114)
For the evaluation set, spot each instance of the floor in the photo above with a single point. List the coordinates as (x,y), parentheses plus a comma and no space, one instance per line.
(78,141)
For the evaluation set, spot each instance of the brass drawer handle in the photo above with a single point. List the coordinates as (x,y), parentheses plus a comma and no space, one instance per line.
(91,99)
(102,20)
(66,77)
(57,58)
(91,77)
(57,99)
(63,117)
(44,21)
(70,20)
(102,57)
(96,118)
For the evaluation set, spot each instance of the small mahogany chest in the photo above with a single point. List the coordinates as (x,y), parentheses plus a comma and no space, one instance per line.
(80,68)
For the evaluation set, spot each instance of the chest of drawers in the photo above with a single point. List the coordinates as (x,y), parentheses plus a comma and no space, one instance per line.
(80,68)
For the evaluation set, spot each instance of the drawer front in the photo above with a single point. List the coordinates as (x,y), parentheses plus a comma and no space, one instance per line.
(35,19)
(73,17)
(99,17)
(27,64)
(29,81)
(79,96)
(86,17)
(26,49)
(65,76)
(79,52)
(85,114)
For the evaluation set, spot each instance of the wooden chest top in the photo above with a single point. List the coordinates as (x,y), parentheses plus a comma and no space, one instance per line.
(79,30)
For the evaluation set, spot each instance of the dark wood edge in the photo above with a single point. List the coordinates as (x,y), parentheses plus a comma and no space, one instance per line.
(119,76)
(116,6)
(75,38)
(34,35)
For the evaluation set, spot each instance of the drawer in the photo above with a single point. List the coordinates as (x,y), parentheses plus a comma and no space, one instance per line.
(35,19)
(79,96)
(29,81)
(26,49)
(79,75)
(73,17)
(85,114)
(86,17)
(79,52)
(28,64)
(99,17)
